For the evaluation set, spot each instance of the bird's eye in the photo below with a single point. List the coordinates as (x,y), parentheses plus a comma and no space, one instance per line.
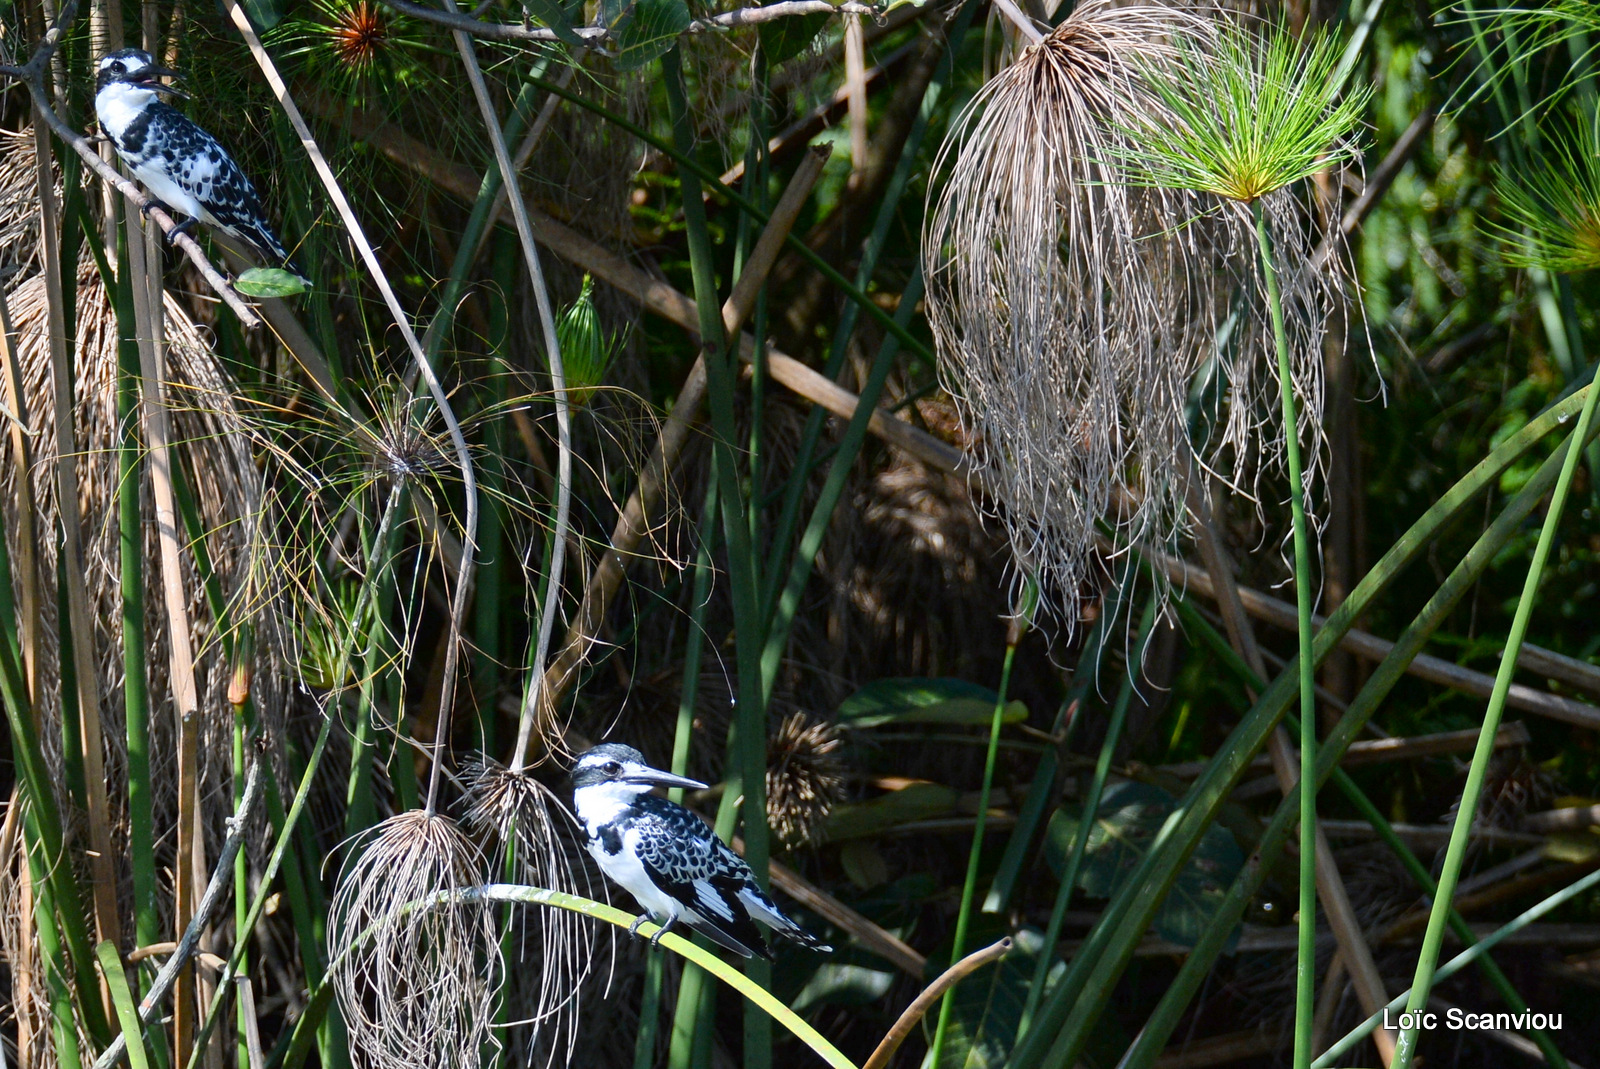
(611,768)
(118,67)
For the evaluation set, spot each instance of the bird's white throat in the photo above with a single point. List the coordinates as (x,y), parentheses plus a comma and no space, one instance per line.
(118,104)
(601,803)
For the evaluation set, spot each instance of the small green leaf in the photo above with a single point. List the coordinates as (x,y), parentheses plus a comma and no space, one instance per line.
(648,29)
(557,16)
(917,700)
(1131,814)
(783,39)
(269,282)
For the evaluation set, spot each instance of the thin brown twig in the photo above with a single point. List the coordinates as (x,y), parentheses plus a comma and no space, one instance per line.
(930,995)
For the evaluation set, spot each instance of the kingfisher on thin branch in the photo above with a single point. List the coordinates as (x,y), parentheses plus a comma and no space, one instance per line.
(669,859)
(180,163)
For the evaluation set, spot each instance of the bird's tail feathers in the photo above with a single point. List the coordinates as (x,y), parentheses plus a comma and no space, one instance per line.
(755,948)
(767,912)
(265,244)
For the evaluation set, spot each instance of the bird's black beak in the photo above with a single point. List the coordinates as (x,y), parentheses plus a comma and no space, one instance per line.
(151,80)
(657,778)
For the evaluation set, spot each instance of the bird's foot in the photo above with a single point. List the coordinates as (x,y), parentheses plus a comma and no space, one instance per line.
(185,227)
(633,929)
(655,940)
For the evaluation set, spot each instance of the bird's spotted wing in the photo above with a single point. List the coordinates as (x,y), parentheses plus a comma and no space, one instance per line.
(686,860)
(198,163)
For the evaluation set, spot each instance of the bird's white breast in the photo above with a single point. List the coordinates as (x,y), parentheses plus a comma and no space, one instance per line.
(118,105)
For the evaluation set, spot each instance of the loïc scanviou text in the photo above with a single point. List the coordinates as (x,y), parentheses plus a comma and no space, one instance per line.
(1456,1019)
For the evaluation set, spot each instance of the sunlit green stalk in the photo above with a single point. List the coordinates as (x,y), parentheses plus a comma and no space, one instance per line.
(1306,954)
(1467,810)
(969,887)
(1459,962)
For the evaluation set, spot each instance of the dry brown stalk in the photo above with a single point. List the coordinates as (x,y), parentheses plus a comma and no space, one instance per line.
(144,260)
(635,521)
(101,857)
(27,531)
(855,89)
(929,996)
(1281,614)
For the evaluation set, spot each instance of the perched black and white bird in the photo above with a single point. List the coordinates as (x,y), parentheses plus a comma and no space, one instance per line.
(670,859)
(181,164)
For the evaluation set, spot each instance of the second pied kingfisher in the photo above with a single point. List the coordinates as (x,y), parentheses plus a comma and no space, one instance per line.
(668,858)
(181,164)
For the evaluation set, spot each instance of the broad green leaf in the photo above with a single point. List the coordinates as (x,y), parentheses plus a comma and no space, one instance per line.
(648,29)
(840,984)
(264,14)
(919,801)
(987,1006)
(918,700)
(1130,815)
(269,282)
(783,39)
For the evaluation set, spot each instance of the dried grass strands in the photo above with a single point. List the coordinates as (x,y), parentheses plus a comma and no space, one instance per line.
(1064,303)
(226,488)
(416,986)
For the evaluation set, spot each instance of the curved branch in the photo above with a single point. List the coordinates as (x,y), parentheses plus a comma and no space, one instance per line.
(934,992)
(511,31)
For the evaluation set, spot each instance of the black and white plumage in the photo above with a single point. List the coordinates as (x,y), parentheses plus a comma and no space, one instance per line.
(668,858)
(181,164)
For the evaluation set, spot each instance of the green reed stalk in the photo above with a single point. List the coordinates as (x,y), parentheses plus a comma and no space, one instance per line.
(644,1051)
(1389,672)
(122,1000)
(1195,624)
(698,172)
(1090,807)
(969,887)
(749,724)
(1041,792)
(781,621)
(1306,954)
(291,819)
(1080,996)
(1467,810)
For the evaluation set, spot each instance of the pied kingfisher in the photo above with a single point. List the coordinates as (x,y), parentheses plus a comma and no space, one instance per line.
(668,858)
(181,164)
